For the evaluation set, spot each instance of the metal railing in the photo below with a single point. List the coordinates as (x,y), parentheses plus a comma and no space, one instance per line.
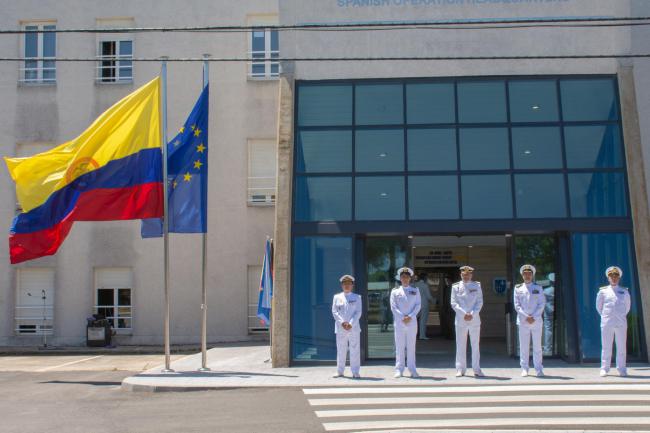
(261,191)
(124,312)
(265,67)
(34,319)
(38,74)
(254,325)
(119,73)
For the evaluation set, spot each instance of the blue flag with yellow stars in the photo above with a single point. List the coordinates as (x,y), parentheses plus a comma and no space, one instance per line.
(187,174)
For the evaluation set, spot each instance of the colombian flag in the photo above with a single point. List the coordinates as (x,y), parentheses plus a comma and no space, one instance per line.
(112,171)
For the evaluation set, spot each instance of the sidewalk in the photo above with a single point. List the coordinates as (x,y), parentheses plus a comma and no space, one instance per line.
(84,350)
(248,365)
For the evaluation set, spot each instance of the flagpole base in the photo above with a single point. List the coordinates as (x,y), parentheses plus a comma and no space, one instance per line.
(204,369)
(167,370)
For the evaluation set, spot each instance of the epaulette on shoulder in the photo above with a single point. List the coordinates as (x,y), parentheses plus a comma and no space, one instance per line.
(603,288)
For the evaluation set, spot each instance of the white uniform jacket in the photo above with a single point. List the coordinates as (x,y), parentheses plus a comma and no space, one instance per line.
(467,298)
(346,308)
(529,300)
(405,301)
(613,304)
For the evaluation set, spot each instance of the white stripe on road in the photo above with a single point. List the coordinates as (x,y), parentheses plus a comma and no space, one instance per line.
(68,363)
(488,422)
(466,411)
(555,398)
(474,389)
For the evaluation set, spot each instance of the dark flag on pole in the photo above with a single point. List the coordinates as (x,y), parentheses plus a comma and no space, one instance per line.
(266,285)
(187,176)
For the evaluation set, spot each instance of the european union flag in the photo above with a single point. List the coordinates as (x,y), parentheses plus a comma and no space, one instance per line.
(187,174)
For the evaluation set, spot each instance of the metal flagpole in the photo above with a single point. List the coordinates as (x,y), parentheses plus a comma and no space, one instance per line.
(204,294)
(165,227)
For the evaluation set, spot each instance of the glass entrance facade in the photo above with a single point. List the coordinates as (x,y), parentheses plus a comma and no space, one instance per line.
(498,155)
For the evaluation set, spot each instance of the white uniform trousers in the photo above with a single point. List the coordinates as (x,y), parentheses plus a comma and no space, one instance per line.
(474,332)
(607,334)
(405,339)
(525,334)
(344,340)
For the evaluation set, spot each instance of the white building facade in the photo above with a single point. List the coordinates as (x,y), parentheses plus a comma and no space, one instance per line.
(107,267)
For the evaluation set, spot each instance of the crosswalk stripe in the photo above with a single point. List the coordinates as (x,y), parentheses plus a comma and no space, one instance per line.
(473,389)
(556,398)
(487,422)
(468,411)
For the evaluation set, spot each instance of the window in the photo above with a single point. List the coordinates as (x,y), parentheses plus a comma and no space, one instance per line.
(486,196)
(540,195)
(324,151)
(264,49)
(482,102)
(379,150)
(592,253)
(115,64)
(484,149)
(323,199)
(261,172)
(430,103)
(593,146)
(589,99)
(537,147)
(533,101)
(520,148)
(113,296)
(433,197)
(599,194)
(325,105)
(39,51)
(379,198)
(34,312)
(378,104)
(254,325)
(432,149)
(317,262)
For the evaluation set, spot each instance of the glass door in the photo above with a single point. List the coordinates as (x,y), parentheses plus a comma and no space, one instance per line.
(541,252)
(383,257)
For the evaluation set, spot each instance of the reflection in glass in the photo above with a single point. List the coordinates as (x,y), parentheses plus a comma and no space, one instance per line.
(433,197)
(430,103)
(383,257)
(592,254)
(540,251)
(482,102)
(533,101)
(597,195)
(324,151)
(432,149)
(379,198)
(379,104)
(486,196)
(318,263)
(593,146)
(540,195)
(379,150)
(484,149)
(589,99)
(325,105)
(323,199)
(537,147)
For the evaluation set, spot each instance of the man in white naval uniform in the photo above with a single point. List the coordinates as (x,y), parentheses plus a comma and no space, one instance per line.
(467,301)
(346,310)
(613,303)
(405,305)
(529,302)
(426,299)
